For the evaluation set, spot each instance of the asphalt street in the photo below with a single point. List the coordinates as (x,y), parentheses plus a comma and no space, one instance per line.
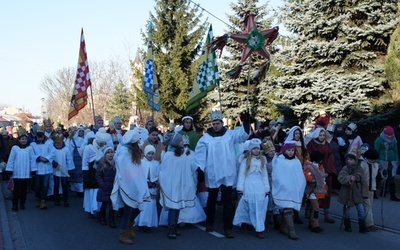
(71,228)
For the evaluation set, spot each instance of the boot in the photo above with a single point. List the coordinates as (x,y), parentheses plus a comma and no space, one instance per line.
(328,218)
(111,219)
(130,231)
(124,237)
(171,232)
(363,227)
(347,225)
(283,228)
(277,219)
(37,203)
(269,219)
(103,220)
(43,204)
(290,225)
(313,223)
(392,189)
(296,217)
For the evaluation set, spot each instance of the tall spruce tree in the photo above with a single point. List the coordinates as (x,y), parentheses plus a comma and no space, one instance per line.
(234,92)
(177,33)
(336,61)
(120,103)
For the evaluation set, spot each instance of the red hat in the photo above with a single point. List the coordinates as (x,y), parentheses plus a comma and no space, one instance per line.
(388,131)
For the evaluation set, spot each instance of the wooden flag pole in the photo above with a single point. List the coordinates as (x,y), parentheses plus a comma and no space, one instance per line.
(91,97)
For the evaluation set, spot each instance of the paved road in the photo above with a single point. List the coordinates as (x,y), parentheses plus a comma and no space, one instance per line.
(70,228)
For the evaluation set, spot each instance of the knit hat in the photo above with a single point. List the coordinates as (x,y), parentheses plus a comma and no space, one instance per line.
(254,143)
(101,135)
(149,148)
(316,156)
(98,118)
(364,147)
(131,136)
(176,139)
(352,156)
(272,123)
(288,145)
(268,146)
(371,154)
(389,131)
(106,148)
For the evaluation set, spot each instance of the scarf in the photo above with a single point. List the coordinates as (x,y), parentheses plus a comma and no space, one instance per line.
(387,140)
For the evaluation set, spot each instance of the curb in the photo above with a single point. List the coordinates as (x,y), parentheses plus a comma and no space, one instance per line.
(5,226)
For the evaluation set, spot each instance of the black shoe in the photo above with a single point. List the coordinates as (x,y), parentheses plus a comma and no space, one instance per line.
(15,208)
(316,229)
(229,234)
(394,198)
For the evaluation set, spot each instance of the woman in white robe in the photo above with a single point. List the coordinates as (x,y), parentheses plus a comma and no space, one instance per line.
(130,186)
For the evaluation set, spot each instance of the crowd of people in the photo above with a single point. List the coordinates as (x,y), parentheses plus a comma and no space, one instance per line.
(150,178)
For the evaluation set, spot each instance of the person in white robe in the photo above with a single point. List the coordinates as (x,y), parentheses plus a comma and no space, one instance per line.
(75,145)
(177,182)
(253,188)
(215,155)
(92,153)
(148,218)
(130,188)
(288,185)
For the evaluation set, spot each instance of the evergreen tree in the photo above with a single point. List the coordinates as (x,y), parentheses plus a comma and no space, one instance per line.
(336,62)
(176,36)
(120,103)
(234,92)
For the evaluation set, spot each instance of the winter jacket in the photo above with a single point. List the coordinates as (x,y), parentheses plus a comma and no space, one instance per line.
(105,178)
(353,192)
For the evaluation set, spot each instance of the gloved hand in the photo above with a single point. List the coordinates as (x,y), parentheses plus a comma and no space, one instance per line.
(55,164)
(341,141)
(38,159)
(245,117)
(239,194)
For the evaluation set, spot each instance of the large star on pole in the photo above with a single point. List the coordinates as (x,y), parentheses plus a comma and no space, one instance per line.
(254,40)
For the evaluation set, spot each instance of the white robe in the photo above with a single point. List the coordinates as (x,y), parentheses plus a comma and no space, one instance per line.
(216,157)
(149,216)
(177,181)
(44,150)
(21,162)
(254,184)
(288,182)
(130,185)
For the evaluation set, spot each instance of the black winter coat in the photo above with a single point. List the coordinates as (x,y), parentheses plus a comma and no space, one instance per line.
(105,178)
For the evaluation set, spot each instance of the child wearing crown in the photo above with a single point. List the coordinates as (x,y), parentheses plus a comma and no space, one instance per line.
(62,163)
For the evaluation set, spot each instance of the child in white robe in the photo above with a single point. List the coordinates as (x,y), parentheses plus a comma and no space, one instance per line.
(149,217)
(177,182)
(253,188)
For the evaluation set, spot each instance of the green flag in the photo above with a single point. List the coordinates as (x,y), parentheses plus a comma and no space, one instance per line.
(207,77)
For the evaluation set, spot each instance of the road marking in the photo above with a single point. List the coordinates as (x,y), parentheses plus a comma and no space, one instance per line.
(212,233)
